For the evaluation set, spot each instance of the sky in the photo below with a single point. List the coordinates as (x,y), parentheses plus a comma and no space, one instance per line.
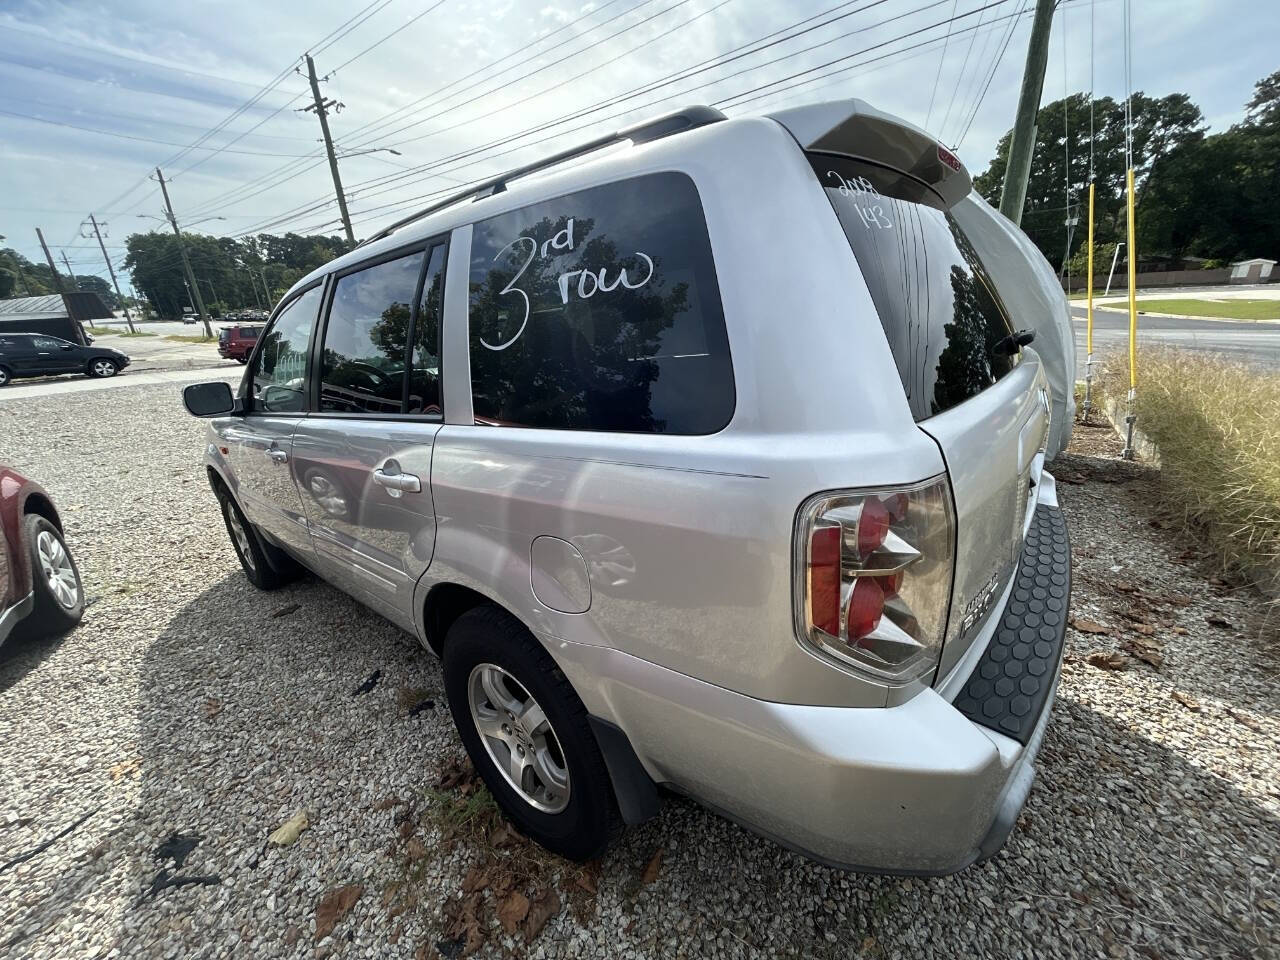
(93,97)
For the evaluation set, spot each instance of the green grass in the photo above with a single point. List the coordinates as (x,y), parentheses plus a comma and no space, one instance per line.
(1217,425)
(126,333)
(181,338)
(1232,309)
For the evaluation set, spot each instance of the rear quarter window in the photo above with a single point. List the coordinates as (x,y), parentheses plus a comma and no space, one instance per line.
(600,310)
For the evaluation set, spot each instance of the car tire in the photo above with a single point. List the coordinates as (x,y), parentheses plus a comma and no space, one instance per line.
(242,359)
(55,581)
(102,367)
(248,547)
(571,810)
(5,376)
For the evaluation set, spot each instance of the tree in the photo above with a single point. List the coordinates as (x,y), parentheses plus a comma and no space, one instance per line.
(1160,126)
(1219,196)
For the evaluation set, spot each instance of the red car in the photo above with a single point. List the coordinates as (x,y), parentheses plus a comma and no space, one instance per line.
(236,343)
(40,589)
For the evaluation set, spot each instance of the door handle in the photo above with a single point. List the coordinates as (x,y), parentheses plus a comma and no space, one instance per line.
(278,455)
(397,483)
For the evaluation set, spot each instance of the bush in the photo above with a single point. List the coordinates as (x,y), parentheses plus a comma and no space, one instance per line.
(1217,425)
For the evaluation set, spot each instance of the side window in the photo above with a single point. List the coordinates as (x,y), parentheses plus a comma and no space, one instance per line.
(601,310)
(366,342)
(424,370)
(279,374)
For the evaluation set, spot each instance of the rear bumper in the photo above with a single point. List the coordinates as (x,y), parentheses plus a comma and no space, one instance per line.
(922,788)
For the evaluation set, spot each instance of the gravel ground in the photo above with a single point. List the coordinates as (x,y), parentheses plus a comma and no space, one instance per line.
(185,705)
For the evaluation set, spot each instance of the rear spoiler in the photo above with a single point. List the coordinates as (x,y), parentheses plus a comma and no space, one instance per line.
(854,128)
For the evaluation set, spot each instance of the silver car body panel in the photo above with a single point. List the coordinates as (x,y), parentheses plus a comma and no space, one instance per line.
(683,633)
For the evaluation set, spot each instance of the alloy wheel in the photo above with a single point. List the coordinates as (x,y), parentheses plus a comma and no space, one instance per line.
(240,536)
(55,563)
(518,738)
(104,368)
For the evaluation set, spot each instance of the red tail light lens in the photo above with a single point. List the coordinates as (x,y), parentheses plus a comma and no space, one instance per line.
(873,575)
(824,578)
(866,607)
(873,526)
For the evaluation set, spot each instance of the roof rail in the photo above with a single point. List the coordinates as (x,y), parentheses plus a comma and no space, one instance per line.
(656,129)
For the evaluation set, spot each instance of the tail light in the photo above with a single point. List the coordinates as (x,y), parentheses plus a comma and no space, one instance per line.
(873,577)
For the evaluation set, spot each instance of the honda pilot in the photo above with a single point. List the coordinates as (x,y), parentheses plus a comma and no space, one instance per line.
(713,461)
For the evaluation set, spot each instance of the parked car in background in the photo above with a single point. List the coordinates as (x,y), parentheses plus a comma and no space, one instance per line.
(40,589)
(236,342)
(38,355)
(722,477)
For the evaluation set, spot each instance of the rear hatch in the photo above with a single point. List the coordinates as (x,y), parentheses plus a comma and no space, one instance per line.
(892,186)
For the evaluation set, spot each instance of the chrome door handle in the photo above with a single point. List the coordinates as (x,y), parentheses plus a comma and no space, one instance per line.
(397,483)
(278,455)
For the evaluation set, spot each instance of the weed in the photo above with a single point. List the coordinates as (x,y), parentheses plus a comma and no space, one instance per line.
(1217,425)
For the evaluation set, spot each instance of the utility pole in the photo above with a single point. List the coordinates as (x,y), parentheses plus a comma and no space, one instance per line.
(75,284)
(58,285)
(321,106)
(254,284)
(1023,141)
(186,264)
(111,270)
(265,289)
(71,274)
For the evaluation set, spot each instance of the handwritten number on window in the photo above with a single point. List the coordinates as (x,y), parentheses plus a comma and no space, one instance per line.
(512,288)
(862,192)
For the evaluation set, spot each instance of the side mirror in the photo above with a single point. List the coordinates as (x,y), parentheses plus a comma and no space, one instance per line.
(212,399)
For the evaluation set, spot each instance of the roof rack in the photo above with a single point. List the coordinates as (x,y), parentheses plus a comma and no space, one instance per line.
(656,129)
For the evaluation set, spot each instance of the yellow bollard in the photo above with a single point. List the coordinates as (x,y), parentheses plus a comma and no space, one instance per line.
(1133,322)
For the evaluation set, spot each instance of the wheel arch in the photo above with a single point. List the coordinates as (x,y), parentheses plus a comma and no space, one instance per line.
(40,504)
(445,603)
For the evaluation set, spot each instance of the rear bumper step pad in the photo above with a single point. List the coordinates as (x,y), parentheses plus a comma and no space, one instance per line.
(1011,684)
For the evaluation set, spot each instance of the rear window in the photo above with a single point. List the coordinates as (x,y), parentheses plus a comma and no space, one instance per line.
(600,310)
(936,301)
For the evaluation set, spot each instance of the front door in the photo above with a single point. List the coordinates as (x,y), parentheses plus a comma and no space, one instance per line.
(363,456)
(259,443)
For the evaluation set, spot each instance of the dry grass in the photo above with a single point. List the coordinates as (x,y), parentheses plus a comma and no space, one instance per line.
(1217,425)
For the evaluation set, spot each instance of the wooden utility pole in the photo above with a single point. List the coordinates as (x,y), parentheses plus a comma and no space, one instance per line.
(71,274)
(111,270)
(186,264)
(75,284)
(58,285)
(1023,141)
(321,106)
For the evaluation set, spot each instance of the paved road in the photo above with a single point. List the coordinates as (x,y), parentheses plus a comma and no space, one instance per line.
(1258,343)
(45,386)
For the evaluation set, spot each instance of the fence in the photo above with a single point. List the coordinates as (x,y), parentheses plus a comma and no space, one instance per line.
(1165,278)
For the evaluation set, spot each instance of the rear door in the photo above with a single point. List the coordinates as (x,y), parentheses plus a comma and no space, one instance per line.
(55,356)
(259,444)
(363,456)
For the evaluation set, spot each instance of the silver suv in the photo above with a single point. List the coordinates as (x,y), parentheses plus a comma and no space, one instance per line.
(712,461)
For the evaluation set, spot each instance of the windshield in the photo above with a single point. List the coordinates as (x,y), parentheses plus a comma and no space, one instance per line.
(935,299)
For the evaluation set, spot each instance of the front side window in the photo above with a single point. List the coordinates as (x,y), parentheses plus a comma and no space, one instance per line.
(936,301)
(600,310)
(47,343)
(367,337)
(279,373)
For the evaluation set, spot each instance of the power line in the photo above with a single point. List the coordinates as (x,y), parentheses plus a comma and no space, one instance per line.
(400,203)
(941,60)
(676,77)
(126,136)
